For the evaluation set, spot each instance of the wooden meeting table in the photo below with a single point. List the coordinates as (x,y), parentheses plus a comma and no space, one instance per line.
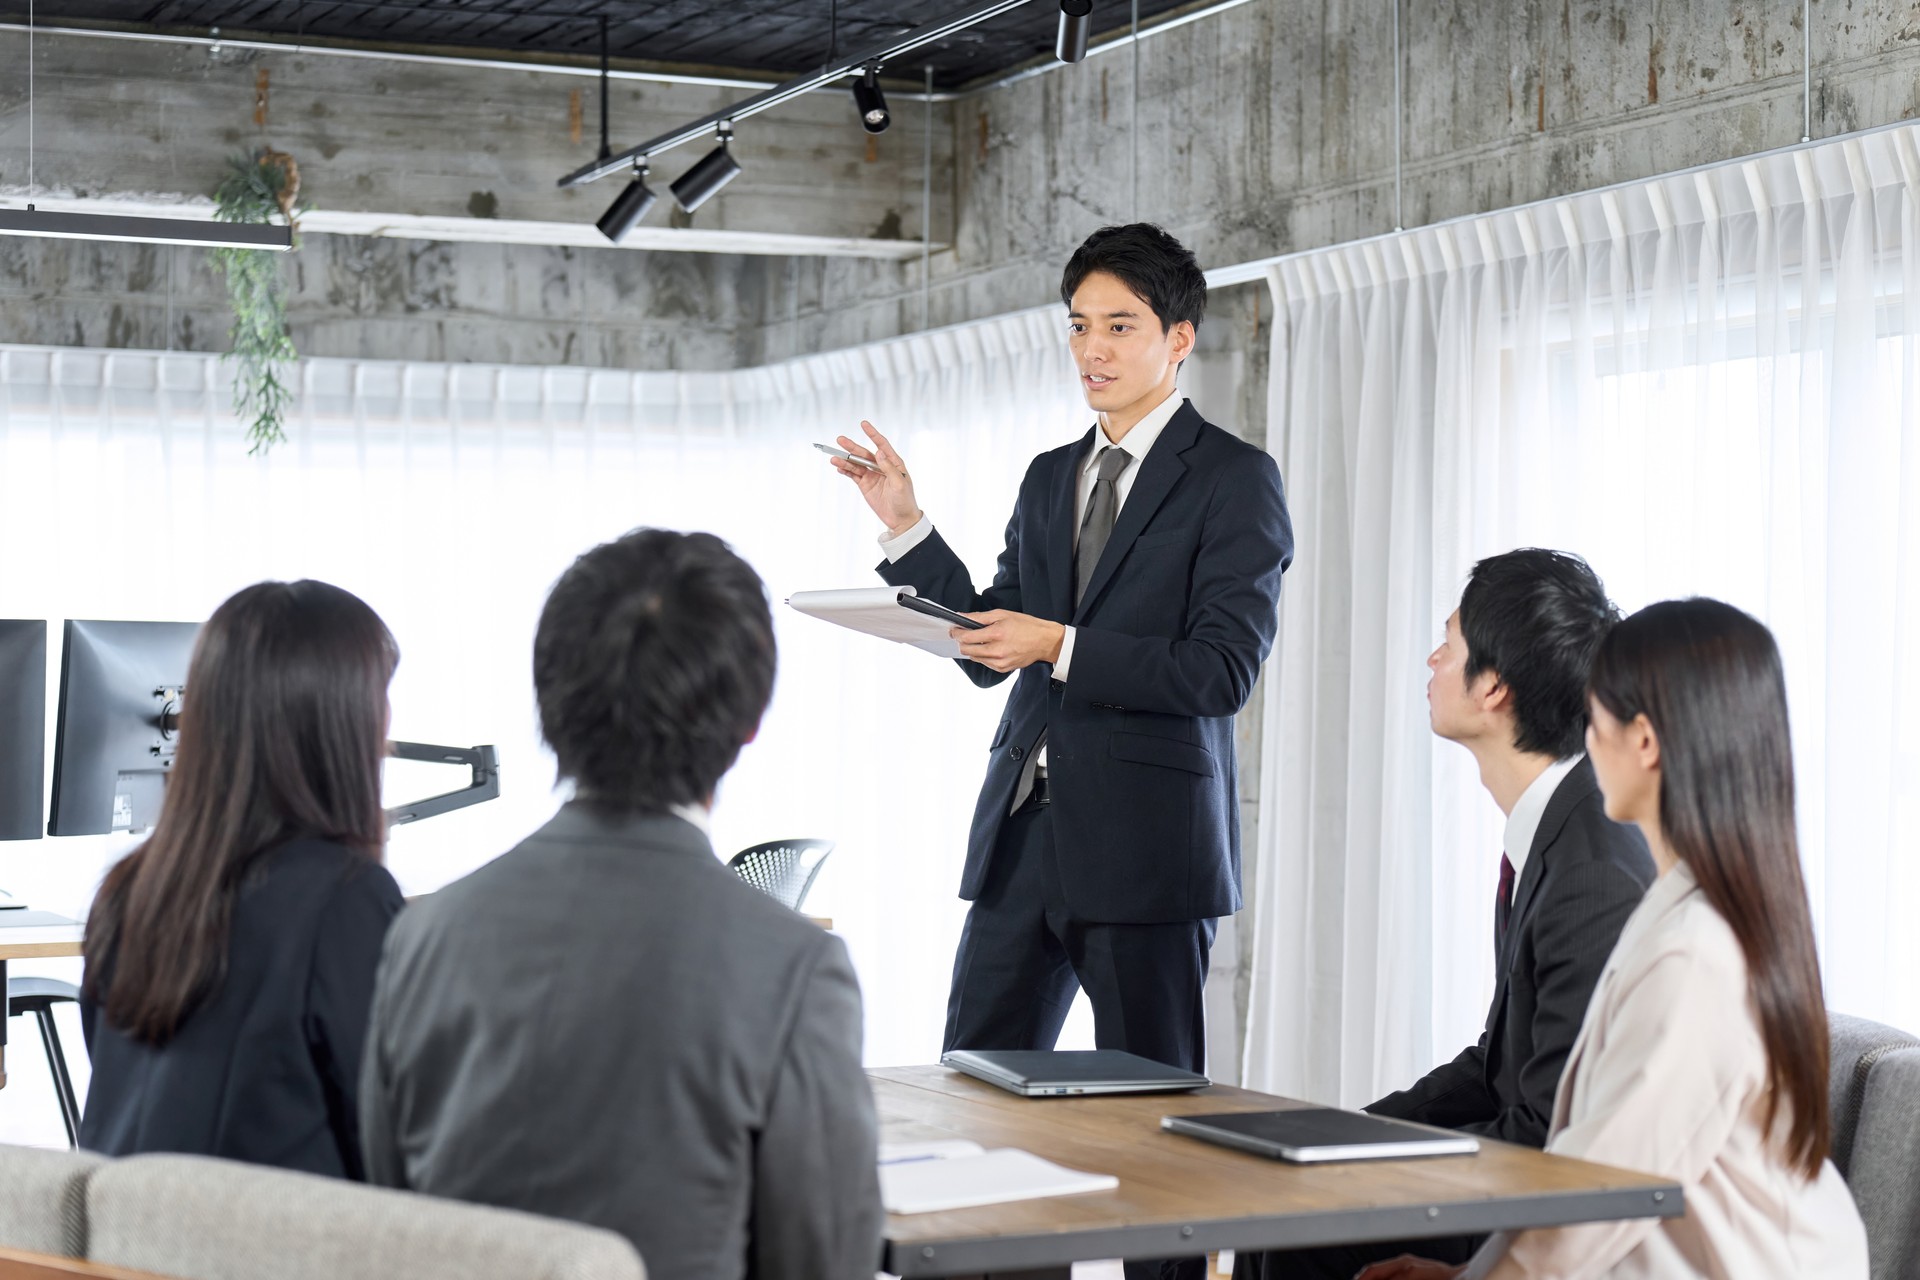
(1179,1197)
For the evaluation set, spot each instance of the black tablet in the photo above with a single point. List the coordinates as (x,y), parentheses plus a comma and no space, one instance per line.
(1315,1135)
(941,612)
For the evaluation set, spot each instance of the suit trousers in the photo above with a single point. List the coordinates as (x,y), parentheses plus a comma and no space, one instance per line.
(1023,954)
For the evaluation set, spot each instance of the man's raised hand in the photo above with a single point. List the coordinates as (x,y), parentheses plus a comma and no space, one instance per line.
(886,486)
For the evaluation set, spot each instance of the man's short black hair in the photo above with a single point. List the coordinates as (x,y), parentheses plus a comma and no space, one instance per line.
(1148,261)
(653,665)
(1535,619)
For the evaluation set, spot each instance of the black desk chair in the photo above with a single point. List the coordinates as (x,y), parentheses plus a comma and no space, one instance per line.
(37,996)
(782,869)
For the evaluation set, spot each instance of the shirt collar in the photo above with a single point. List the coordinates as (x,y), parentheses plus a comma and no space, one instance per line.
(698,815)
(1139,440)
(1524,822)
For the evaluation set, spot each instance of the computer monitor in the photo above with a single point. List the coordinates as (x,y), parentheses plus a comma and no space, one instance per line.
(121,685)
(23,727)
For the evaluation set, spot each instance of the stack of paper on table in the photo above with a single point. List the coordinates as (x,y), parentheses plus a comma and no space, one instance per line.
(926,1177)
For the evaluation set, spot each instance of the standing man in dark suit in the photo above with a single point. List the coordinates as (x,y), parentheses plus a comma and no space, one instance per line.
(1510,684)
(1136,599)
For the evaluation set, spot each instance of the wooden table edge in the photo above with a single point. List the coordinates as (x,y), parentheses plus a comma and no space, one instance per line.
(964,1256)
(40,950)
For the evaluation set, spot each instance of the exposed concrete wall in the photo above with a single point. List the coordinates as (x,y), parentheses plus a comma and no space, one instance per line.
(126,118)
(355,296)
(115,118)
(1270,128)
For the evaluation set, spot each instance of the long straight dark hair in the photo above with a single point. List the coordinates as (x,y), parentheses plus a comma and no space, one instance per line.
(1709,680)
(282,731)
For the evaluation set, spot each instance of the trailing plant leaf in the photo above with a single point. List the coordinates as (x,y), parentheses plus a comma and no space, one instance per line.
(257,189)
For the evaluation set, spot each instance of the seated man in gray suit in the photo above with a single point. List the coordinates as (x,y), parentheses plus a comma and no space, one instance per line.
(605,1024)
(1510,684)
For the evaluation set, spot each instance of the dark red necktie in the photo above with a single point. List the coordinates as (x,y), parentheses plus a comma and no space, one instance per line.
(1503,899)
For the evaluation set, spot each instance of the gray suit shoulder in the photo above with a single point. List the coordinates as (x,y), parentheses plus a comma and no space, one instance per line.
(660,869)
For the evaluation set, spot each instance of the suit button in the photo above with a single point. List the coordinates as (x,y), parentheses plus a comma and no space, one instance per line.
(1019,753)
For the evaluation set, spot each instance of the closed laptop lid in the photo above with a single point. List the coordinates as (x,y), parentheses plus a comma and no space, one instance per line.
(1106,1069)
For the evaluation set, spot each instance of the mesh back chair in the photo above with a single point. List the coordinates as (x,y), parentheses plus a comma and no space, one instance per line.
(37,996)
(782,869)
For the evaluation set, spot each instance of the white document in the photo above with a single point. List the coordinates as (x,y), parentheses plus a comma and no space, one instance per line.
(878,612)
(991,1177)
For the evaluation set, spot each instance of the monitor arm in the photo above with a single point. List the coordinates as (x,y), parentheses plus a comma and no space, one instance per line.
(485,785)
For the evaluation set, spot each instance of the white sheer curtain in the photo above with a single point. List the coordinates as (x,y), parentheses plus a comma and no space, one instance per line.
(1706,384)
(451,497)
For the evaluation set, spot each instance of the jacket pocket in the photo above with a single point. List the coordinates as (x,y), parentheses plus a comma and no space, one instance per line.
(1142,748)
(1000,735)
(1162,538)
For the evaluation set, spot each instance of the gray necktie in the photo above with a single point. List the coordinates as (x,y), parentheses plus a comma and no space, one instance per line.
(1095,528)
(1097,525)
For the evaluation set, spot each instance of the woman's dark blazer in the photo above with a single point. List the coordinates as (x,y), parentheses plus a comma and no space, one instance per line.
(266,1068)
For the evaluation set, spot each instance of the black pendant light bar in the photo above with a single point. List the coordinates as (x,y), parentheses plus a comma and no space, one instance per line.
(854,64)
(112,226)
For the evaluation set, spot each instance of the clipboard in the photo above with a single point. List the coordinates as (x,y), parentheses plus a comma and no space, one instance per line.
(891,613)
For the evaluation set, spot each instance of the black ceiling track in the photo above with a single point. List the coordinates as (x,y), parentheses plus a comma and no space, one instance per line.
(764,37)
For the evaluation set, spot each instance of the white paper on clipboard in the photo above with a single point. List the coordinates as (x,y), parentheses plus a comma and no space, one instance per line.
(877,611)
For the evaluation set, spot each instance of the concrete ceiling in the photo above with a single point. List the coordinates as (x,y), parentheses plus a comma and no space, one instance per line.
(769,37)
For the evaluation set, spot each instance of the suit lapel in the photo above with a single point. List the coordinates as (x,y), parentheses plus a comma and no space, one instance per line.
(1060,504)
(1573,788)
(1160,470)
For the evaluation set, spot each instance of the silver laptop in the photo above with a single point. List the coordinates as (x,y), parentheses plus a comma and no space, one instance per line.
(1052,1073)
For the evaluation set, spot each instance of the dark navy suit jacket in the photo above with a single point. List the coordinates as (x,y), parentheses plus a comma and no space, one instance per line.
(1178,617)
(1583,877)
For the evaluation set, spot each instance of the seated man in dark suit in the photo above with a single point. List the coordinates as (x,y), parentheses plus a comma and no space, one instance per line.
(605,1023)
(1509,684)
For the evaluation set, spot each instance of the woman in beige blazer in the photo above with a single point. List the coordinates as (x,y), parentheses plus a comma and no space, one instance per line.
(1703,1056)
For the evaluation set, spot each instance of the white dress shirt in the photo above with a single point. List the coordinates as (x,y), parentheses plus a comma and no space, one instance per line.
(698,815)
(1524,822)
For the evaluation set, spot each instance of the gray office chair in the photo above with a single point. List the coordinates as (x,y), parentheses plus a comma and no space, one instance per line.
(37,996)
(1857,1043)
(1885,1177)
(782,869)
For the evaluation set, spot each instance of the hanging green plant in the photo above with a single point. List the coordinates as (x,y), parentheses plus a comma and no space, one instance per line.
(259,188)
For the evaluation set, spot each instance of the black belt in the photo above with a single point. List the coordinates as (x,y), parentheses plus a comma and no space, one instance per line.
(1042,794)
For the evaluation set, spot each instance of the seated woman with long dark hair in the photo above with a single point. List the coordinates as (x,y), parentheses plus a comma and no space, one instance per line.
(1703,1057)
(230,958)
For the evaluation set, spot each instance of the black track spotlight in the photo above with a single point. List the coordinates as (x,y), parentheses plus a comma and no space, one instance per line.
(703,182)
(630,207)
(1076,25)
(871,103)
